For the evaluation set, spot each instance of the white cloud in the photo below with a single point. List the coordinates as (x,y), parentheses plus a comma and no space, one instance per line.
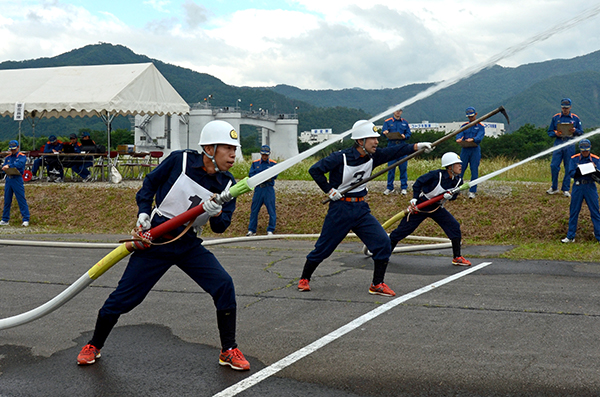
(311,44)
(159,5)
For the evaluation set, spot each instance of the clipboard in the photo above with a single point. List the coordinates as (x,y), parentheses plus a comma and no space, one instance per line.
(394,135)
(12,171)
(586,168)
(464,143)
(565,129)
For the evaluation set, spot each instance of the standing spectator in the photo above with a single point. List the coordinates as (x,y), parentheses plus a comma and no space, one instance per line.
(582,167)
(53,165)
(563,127)
(16,160)
(77,164)
(426,187)
(351,211)
(263,193)
(184,179)
(397,131)
(471,151)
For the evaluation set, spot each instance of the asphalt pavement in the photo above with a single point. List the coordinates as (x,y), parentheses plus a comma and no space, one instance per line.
(512,328)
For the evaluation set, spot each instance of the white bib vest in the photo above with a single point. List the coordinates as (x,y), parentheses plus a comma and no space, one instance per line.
(355,174)
(438,189)
(183,195)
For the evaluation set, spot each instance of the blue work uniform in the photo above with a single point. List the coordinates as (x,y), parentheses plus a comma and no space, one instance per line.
(401,126)
(471,156)
(563,155)
(53,165)
(77,164)
(351,213)
(178,183)
(14,185)
(426,187)
(584,188)
(263,194)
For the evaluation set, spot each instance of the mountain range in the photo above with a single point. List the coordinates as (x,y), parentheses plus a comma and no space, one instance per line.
(531,93)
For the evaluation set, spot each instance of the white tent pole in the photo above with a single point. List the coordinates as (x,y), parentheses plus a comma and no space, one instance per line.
(107,118)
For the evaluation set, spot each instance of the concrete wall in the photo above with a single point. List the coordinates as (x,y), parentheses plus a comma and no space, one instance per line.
(173,133)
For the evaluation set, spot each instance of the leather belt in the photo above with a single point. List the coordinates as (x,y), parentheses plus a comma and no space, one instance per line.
(352,199)
(583,182)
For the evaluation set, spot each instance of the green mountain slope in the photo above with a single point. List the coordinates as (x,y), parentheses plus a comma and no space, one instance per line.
(531,94)
(486,91)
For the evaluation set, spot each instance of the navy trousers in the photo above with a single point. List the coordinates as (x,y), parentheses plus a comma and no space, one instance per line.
(263,196)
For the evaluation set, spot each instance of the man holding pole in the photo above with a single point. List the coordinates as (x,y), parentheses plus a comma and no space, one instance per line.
(428,186)
(351,211)
(563,127)
(397,132)
(183,180)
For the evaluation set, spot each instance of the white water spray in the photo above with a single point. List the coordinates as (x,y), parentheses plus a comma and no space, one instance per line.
(280,167)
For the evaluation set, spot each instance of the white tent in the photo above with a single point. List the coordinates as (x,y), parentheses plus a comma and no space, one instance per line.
(104,91)
(89,91)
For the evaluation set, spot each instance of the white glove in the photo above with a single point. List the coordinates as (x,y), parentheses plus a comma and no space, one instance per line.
(212,208)
(448,195)
(413,206)
(144,221)
(425,146)
(334,194)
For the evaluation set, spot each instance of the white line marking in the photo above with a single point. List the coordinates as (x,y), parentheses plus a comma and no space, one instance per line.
(316,345)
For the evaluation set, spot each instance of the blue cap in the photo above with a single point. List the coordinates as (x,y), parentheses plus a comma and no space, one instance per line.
(265,149)
(85,133)
(565,103)
(13,144)
(585,144)
(470,111)
(52,138)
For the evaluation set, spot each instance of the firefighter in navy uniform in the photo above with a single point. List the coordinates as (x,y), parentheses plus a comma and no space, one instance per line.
(184,178)
(584,188)
(563,155)
(263,193)
(14,184)
(351,211)
(430,185)
(397,124)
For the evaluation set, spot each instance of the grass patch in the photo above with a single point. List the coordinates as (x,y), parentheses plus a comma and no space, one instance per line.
(525,217)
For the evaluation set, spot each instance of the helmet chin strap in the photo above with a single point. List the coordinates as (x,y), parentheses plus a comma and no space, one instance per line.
(212,158)
(451,169)
(362,145)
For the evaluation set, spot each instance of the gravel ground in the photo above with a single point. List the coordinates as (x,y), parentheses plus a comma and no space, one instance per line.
(492,188)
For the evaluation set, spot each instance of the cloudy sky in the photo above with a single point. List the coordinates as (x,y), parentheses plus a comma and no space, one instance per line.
(311,44)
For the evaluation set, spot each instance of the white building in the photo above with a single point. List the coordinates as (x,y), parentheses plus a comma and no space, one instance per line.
(317,135)
(491,129)
(166,133)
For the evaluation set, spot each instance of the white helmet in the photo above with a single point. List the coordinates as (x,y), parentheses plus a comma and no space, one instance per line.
(219,132)
(364,129)
(450,158)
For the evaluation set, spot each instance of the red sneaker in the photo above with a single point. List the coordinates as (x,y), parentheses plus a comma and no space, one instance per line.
(381,289)
(460,261)
(88,355)
(303,285)
(235,359)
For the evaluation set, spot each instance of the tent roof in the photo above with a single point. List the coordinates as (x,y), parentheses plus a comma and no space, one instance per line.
(89,91)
